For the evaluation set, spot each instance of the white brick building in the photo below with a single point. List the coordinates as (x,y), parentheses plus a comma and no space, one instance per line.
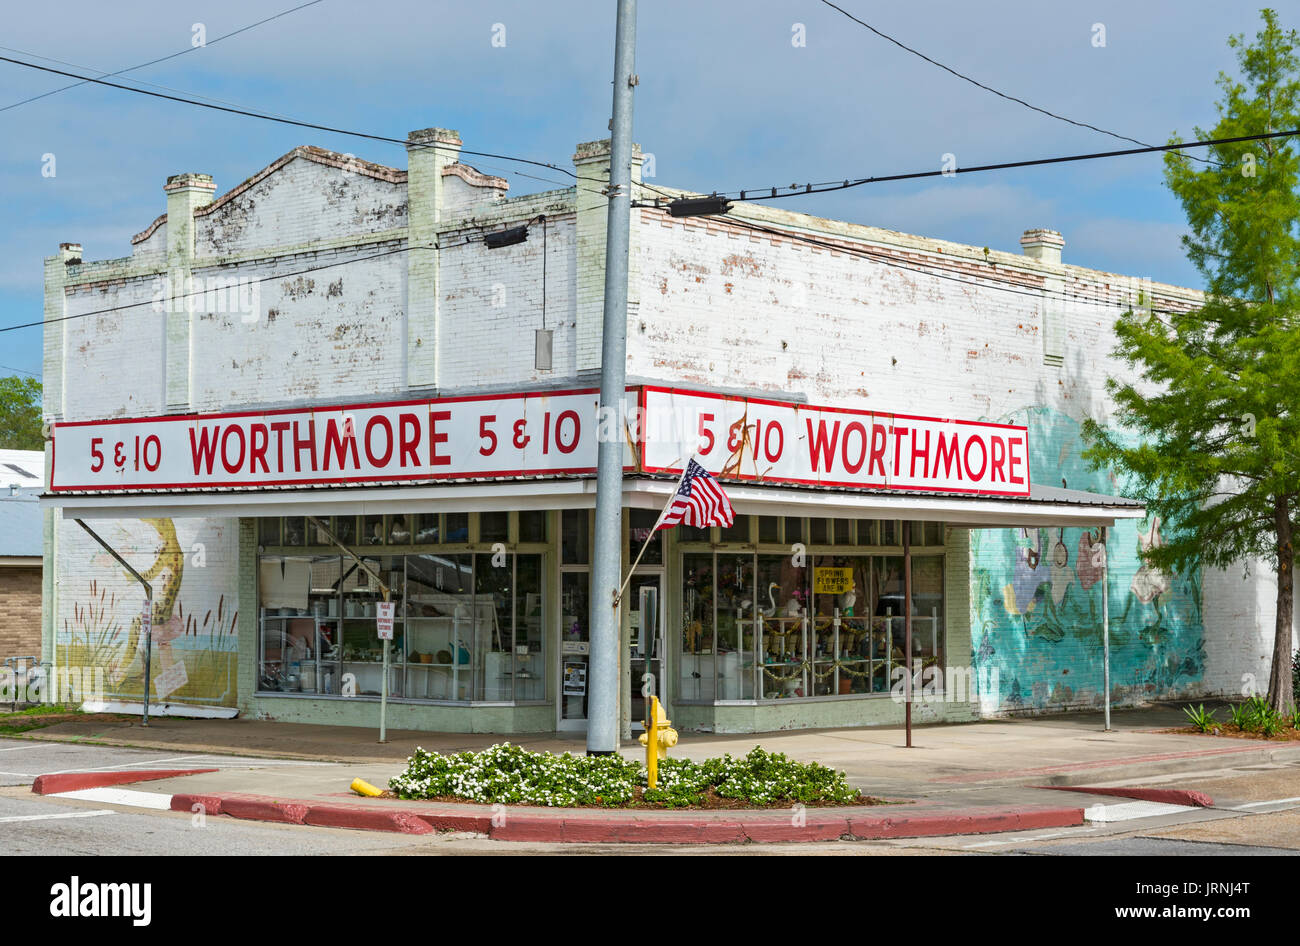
(324,292)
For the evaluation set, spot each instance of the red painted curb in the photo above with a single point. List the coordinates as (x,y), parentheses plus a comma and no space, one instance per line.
(76,781)
(1170,796)
(366,819)
(439,821)
(263,808)
(890,822)
(974,821)
(209,804)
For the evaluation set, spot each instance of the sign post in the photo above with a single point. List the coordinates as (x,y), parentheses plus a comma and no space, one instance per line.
(384,624)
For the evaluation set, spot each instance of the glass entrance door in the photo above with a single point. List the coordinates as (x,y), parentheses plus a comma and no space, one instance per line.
(645,604)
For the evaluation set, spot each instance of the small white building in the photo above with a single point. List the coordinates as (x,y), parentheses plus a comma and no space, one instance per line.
(324,382)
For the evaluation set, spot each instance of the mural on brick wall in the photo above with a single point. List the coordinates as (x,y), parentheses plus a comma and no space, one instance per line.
(1036,615)
(189,565)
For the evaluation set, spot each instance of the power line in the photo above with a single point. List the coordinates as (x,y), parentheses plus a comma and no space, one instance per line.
(152,85)
(154,62)
(189,295)
(284,121)
(981,85)
(800,190)
(886,260)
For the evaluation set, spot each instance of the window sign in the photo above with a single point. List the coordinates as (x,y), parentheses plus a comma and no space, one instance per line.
(832,581)
(384,619)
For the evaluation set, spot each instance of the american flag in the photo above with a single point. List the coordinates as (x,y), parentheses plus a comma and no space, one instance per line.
(699,501)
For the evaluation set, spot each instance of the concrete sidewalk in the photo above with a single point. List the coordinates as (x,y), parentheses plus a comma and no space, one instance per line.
(973,778)
(945,760)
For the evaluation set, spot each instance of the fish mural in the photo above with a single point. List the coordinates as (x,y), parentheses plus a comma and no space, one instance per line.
(1036,614)
(190,566)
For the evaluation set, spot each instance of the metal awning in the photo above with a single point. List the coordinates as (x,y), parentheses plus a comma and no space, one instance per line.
(1045,506)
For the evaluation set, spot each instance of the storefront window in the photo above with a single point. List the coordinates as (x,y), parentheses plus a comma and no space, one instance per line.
(362,651)
(399,530)
(530,630)
(345,529)
(295,531)
(268,531)
(694,534)
(734,593)
(769,529)
(532,526)
(739,531)
(372,532)
(467,626)
(574,538)
(298,629)
(783,645)
(700,663)
(457,527)
(641,532)
(575,613)
(494,527)
(775,627)
(443,626)
(426,529)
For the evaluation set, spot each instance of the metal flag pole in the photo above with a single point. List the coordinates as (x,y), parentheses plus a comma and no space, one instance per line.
(618,597)
(907,627)
(1105,620)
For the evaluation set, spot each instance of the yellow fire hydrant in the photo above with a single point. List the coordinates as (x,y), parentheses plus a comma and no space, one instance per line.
(658,738)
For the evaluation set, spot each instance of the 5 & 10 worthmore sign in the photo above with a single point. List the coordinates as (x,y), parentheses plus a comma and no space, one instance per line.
(539,434)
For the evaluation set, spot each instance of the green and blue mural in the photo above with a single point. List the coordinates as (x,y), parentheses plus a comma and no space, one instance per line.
(1036,610)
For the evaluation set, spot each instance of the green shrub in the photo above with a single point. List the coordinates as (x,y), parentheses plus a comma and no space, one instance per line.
(1240,716)
(508,774)
(1200,718)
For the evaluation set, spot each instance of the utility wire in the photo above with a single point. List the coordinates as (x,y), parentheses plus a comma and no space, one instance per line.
(981,85)
(886,260)
(154,62)
(799,190)
(152,85)
(189,295)
(284,121)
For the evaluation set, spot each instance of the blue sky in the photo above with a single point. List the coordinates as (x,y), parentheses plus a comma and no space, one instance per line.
(726,100)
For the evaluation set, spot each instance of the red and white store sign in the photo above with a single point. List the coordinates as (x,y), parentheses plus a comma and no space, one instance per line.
(554,433)
(447,438)
(779,442)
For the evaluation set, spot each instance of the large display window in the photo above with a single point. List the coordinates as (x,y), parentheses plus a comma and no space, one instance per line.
(818,620)
(469,626)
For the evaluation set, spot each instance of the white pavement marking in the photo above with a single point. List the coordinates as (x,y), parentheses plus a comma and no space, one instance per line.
(72,814)
(1260,804)
(1130,810)
(35,745)
(121,796)
(1022,840)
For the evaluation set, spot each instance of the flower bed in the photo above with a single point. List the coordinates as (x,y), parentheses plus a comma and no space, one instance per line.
(509,775)
(1253,719)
